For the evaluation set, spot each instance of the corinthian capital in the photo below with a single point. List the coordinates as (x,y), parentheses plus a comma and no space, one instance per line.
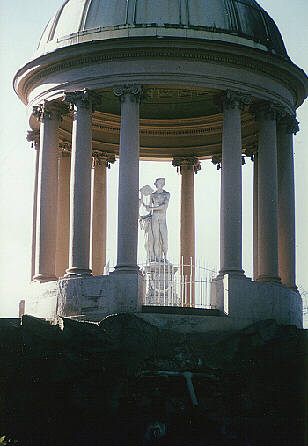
(102,158)
(82,98)
(233,99)
(33,136)
(49,110)
(189,162)
(133,92)
(265,110)
(289,123)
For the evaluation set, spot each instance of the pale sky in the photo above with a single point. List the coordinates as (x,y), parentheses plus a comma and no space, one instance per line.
(21,24)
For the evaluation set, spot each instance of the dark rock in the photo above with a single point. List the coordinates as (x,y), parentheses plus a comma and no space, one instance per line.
(121,382)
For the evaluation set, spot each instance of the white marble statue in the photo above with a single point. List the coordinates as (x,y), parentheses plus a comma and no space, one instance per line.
(154,223)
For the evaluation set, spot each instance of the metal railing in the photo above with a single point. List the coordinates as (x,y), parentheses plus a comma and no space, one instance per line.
(183,285)
(176,285)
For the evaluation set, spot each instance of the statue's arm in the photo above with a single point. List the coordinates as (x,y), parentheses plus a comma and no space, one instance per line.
(162,207)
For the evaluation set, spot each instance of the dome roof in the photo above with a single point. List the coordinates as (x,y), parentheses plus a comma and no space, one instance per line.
(237,21)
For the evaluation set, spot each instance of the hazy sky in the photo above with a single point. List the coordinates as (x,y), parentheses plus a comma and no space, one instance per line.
(21,24)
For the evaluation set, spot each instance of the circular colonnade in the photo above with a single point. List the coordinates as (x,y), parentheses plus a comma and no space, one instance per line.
(180,92)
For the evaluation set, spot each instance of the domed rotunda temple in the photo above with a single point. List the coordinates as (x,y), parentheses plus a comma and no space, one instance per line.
(179,81)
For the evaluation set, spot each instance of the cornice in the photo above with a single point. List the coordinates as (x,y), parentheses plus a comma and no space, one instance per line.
(265,68)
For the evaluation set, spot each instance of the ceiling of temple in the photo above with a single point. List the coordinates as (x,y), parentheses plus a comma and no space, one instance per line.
(242,18)
(166,102)
(175,122)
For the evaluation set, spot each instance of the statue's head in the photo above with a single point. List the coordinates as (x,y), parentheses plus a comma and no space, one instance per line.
(159,182)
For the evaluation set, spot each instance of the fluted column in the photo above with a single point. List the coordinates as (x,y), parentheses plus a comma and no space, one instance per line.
(80,183)
(267,193)
(231,184)
(286,200)
(128,203)
(63,220)
(46,224)
(34,137)
(101,161)
(188,166)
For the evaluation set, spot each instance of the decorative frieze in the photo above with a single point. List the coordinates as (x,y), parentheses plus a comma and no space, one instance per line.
(133,92)
(193,54)
(187,162)
(84,98)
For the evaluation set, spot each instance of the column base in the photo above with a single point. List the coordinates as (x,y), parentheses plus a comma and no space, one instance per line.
(231,272)
(127,269)
(75,272)
(265,278)
(44,278)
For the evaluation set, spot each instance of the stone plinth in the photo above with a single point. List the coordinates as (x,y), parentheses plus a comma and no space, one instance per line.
(244,300)
(85,296)
(160,284)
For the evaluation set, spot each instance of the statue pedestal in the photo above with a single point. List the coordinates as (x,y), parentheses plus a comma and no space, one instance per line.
(161,284)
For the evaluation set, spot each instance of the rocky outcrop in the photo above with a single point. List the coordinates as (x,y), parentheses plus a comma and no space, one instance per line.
(126,382)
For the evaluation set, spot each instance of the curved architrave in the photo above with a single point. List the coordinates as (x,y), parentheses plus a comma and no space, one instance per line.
(97,58)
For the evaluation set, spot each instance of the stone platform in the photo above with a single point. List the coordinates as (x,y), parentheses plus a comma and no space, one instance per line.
(236,302)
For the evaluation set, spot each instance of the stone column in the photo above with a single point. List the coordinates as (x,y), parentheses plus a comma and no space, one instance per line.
(188,168)
(34,137)
(46,224)
(80,183)
(101,161)
(63,220)
(267,193)
(286,200)
(255,218)
(128,203)
(231,184)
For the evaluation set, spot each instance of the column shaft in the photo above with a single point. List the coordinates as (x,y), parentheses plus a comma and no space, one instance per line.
(255,219)
(188,228)
(33,136)
(286,202)
(99,219)
(80,184)
(46,223)
(188,167)
(231,187)
(267,198)
(63,220)
(128,203)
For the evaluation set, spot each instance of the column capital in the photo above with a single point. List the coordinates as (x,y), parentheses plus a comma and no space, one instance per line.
(233,99)
(251,150)
(82,98)
(33,136)
(102,158)
(65,148)
(49,111)
(289,123)
(265,110)
(216,160)
(133,92)
(189,162)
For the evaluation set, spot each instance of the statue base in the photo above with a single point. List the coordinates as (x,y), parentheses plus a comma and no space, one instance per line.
(161,284)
